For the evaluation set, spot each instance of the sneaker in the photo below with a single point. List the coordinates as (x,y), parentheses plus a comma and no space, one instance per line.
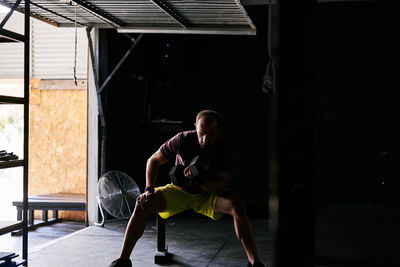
(121,263)
(256,264)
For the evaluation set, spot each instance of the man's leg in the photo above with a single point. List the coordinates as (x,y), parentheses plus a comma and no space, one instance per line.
(137,222)
(232,205)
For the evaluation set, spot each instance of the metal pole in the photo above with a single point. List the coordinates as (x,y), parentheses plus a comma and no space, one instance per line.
(100,105)
(296,224)
(26,133)
(135,42)
(160,234)
(9,14)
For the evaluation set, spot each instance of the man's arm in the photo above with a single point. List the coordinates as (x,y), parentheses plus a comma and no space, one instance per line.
(152,165)
(216,186)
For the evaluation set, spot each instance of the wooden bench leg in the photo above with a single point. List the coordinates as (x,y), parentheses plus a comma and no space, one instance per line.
(31,217)
(162,255)
(45,221)
(55,214)
(45,216)
(19,214)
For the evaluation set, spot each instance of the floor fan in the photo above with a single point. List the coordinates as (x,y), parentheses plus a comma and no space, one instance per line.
(117,193)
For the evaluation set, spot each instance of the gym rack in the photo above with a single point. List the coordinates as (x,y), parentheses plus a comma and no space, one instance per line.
(13,37)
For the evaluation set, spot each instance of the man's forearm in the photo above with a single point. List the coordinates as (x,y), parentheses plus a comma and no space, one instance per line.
(151,172)
(152,165)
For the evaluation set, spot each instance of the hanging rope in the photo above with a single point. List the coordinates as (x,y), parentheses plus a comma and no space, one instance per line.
(76,45)
(269,81)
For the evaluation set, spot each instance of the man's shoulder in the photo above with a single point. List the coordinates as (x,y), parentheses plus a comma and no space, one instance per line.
(188,133)
(185,135)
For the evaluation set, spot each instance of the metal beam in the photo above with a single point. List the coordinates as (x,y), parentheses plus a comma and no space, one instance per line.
(171,30)
(11,36)
(172,13)
(34,15)
(11,100)
(16,4)
(274,2)
(101,14)
(52,12)
(251,24)
(6,40)
(135,42)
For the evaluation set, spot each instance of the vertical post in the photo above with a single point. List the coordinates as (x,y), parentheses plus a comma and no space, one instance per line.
(103,128)
(31,217)
(100,105)
(162,255)
(296,237)
(55,214)
(273,123)
(26,132)
(45,216)
(160,234)
(92,142)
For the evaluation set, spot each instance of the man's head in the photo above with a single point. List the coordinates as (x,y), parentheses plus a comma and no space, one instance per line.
(208,127)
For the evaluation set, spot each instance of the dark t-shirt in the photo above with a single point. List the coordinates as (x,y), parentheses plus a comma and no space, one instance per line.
(184,146)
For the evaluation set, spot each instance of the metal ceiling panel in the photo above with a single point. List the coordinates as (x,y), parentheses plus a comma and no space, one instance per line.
(52,51)
(157,16)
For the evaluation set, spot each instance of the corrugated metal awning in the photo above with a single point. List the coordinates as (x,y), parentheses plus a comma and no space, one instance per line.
(154,16)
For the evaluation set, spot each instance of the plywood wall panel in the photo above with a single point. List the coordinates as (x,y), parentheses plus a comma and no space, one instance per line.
(57,144)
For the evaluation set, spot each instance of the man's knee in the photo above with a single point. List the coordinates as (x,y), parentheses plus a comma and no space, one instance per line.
(236,205)
(239,207)
(151,205)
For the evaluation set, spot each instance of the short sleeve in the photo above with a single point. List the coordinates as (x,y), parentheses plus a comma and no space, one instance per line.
(171,148)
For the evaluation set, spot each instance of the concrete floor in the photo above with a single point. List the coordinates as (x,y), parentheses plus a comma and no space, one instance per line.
(358,236)
(346,236)
(191,241)
(39,236)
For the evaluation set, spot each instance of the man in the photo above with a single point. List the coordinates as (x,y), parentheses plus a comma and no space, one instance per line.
(209,198)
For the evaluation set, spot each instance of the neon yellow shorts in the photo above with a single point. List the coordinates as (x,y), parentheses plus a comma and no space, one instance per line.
(179,200)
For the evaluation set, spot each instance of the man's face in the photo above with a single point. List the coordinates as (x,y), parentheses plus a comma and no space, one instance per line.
(207,134)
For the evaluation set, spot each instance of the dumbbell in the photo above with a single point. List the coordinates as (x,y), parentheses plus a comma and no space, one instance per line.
(200,168)
(176,175)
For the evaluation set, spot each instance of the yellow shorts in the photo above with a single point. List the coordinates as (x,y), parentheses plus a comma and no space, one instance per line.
(179,200)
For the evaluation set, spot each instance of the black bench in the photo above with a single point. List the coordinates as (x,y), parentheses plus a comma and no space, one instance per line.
(53,202)
(6,259)
(162,256)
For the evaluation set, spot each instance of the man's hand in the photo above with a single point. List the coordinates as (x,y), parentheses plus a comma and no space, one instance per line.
(187,173)
(192,180)
(144,199)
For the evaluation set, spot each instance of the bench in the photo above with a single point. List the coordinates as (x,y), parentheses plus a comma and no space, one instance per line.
(53,202)
(6,259)
(162,255)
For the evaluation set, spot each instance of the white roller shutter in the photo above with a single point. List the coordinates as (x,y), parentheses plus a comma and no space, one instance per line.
(52,51)
(12,54)
(11,60)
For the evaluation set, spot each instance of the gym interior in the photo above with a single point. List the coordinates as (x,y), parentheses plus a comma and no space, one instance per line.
(309,104)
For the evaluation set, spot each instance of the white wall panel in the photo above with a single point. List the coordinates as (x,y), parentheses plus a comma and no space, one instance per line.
(12,54)
(52,51)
